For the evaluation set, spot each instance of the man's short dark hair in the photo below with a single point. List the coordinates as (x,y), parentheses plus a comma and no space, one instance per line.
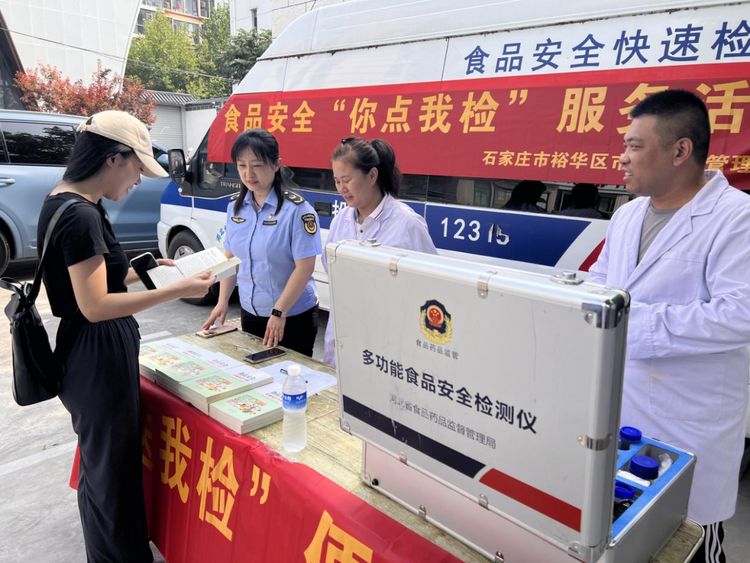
(680,114)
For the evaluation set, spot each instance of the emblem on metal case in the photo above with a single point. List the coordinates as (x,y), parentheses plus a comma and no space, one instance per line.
(436,323)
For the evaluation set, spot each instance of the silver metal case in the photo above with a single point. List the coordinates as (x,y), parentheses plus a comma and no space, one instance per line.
(501,386)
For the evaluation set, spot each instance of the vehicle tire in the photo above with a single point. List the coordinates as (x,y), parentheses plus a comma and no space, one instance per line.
(4,253)
(185,243)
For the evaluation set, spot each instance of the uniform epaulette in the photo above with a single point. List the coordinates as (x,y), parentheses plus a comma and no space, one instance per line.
(235,196)
(294,197)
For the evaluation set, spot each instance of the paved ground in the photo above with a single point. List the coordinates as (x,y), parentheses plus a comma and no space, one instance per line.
(39,519)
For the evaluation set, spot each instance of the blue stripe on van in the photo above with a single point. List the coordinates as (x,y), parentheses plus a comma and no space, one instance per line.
(219,204)
(525,237)
(541,239)
(171,196)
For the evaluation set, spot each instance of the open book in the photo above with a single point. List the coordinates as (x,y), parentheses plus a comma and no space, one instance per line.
(211,259)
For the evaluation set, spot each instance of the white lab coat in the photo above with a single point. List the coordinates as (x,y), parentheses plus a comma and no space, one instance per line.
(392,223)
(686,371)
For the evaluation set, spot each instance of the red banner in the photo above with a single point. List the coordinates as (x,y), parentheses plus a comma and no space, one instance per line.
(212,495)
(556,127)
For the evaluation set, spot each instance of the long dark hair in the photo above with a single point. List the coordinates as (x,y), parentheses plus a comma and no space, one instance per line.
(90,153)
(366,155)
(266,148)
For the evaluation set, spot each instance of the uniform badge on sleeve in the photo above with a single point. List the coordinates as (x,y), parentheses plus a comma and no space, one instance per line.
(311,225)
(238,219)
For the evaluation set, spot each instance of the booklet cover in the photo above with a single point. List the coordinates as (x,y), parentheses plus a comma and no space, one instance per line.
(153,355)
(245,406)
(221,384)
(187,368)
(246,411)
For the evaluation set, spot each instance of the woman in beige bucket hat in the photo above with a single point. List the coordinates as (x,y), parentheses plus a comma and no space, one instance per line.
(86,275)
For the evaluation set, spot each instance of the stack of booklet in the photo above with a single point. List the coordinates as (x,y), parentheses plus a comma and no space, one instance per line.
(159,354)
(249,410)
(238,396)
(254,409)
(206,389)
(196,375)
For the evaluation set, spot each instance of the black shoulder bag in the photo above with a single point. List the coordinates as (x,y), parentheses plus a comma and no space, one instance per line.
(37,373)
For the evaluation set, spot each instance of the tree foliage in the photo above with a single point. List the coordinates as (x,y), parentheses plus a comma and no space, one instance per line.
(166,58)
(245,48)
(215,41)
(158,56)
(45,89)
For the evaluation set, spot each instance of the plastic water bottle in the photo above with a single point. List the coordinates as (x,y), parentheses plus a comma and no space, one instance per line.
(294,427)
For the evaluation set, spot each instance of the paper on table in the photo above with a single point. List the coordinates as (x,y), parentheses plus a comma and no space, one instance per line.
(317,381)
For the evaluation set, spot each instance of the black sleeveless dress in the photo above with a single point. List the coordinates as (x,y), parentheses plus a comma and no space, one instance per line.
(101,388)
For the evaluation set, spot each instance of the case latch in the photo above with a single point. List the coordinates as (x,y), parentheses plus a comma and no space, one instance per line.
(595,444)
(483,283)
(331,251)
(393,264)
(370,243)
(345,425)
(567,278)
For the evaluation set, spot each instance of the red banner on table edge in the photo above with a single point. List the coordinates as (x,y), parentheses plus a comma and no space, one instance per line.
(280,510)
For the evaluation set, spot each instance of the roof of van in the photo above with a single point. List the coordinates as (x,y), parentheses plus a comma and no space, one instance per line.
(382,22)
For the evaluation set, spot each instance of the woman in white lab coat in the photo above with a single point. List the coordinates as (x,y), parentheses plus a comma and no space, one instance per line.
(367,176)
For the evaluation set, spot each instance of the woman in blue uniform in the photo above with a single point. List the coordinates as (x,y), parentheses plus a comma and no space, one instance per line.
(274,232)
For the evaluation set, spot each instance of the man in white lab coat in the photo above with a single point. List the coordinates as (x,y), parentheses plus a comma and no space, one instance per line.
(683,252)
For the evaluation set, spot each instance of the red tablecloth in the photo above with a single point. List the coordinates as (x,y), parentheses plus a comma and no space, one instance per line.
(212,495)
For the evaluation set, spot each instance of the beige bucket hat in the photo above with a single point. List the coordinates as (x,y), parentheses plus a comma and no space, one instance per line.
(128,130)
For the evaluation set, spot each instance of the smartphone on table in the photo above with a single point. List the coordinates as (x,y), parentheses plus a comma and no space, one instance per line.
(264,355)
(215,331)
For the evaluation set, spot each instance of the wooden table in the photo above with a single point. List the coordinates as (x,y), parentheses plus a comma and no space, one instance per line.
(338,456)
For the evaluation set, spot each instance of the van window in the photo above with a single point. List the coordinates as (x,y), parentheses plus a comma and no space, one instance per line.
(314,179)
(474,192)
(38,143)
(215,179)
(413,186)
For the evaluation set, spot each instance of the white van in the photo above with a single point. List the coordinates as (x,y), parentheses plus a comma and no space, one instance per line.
(475,96)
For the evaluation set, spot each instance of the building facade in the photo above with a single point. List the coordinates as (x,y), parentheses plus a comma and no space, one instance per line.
(72,36)
(189,13)
(271,14)
(10,64)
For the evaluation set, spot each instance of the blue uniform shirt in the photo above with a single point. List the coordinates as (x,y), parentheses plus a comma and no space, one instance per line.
(268,244)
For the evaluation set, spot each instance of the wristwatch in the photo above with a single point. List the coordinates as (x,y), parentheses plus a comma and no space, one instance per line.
(277,313)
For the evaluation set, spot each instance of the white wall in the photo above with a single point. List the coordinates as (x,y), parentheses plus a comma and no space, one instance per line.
(272,14)
(79,32)
(197,123)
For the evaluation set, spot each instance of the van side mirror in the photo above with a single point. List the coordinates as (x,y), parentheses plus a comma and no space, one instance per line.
(177,168)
